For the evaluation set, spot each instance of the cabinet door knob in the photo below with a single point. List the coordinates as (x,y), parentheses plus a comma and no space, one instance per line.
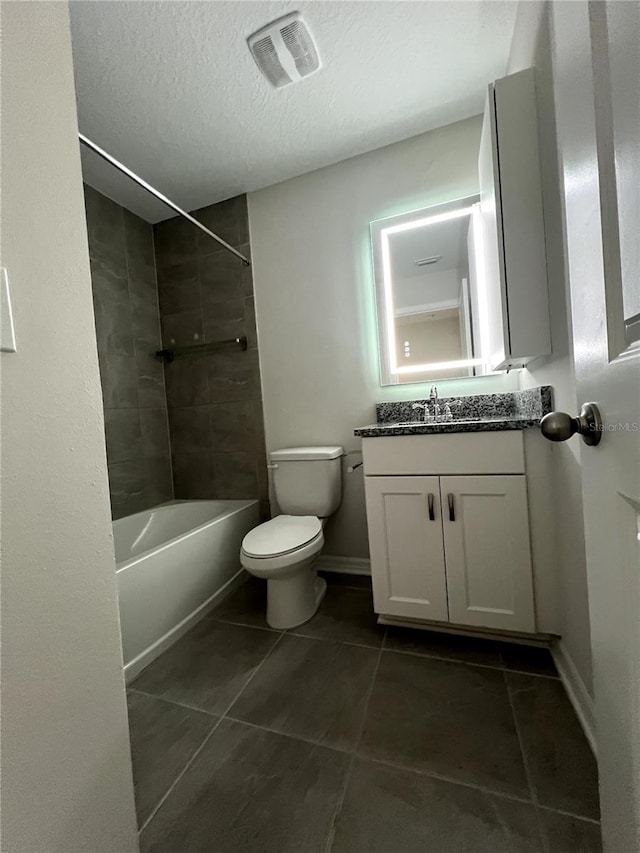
(452,507)
(432,514)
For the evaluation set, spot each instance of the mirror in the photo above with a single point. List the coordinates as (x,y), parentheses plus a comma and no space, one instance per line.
(430,297)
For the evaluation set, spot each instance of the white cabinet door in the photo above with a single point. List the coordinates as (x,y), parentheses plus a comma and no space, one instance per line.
(488,556)
(513,224)
(405,540)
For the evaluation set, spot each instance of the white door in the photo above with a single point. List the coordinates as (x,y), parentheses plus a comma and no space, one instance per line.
(405,542)
(597,91)
(487,552)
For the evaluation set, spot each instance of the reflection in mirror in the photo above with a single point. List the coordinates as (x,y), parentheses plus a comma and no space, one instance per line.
(429,293)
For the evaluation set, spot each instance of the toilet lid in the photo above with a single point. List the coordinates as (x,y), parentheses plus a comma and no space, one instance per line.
(280,535)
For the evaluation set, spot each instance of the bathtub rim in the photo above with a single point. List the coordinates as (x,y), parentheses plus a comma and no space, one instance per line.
(132,561)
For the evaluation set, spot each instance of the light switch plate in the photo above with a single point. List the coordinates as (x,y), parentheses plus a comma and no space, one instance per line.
(7,330)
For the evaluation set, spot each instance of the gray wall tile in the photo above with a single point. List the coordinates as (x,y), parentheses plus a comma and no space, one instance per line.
(151,392)
(154,428)
(234,475)
(191,429)
(105,221)
(220,277)
(125,296)
(175,240)
(234,426)
(113,327)
(234,376)
(224,220)
(178,287)
(251,330)
(127,481)
(123,434)
(192,475)
(224,320)
(119,378)
(187,383)
(183,329)
(215,401)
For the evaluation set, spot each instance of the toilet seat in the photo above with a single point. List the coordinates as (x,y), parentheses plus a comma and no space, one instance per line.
(283,542)
(282,535)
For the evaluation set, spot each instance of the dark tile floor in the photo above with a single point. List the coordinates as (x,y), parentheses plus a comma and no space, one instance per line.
(345,737)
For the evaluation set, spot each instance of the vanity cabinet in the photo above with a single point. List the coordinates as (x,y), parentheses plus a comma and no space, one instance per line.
(447,546)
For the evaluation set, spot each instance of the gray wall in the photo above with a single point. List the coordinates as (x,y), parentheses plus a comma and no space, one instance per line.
(66,763)
(532,47)
(125,302)
(215,401)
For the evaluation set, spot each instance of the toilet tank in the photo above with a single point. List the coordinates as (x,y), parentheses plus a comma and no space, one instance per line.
(308,480)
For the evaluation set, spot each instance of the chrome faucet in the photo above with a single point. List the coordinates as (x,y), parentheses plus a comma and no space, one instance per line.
(433,399)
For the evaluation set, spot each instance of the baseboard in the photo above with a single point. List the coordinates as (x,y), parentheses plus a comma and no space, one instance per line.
(577,692)
(135,666)
(344,565)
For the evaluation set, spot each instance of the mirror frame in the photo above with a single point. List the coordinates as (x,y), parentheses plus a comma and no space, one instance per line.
(380,228)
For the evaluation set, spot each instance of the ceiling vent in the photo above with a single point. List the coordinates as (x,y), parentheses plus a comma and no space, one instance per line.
(425,262)
(284,50)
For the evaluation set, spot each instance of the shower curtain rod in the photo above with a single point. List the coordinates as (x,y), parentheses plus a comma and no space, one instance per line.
(154,192)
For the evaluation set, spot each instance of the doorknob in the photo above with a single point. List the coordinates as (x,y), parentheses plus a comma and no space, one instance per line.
(559,426)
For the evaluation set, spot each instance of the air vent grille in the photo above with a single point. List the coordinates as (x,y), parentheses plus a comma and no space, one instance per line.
(297,40)
(284,50)
(266,56)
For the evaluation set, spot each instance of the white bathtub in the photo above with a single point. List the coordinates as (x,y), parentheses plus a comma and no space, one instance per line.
(173,563)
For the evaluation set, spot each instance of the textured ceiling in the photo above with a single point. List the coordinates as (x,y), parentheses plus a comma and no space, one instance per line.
(171,89)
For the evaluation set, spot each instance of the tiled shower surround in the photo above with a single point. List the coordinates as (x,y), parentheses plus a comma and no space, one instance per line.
(214,404)
(214,401)
(125,299)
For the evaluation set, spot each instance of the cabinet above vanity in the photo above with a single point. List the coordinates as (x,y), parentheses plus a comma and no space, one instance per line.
(448,512)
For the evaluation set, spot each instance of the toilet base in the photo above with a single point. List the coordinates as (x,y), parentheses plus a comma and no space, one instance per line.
(293,600)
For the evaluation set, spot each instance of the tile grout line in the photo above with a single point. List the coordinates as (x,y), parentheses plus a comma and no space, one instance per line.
(175,782)
(527,769)
(450,780)
(223,716)
(173,702)
(498,667)
(348,773)
(308,741)
(204,742)
(590,820)
(213,618)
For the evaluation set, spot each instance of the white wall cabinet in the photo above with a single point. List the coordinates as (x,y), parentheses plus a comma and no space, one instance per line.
(450,547)
(513,224)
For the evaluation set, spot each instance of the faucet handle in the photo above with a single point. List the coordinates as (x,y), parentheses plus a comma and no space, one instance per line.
(425,407)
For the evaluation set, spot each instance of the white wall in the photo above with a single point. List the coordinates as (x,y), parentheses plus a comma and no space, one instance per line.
(315,296)
(531,47)
(66,767)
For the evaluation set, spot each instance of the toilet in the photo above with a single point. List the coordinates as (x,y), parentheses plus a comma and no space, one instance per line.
(308,485)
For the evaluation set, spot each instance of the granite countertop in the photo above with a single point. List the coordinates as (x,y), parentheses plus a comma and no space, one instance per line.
(477,413)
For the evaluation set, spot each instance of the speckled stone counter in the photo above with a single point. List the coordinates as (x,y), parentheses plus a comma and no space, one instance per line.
(476,413)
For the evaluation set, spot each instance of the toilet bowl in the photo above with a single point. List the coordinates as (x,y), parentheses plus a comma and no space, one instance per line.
(307,482)
(283,551)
